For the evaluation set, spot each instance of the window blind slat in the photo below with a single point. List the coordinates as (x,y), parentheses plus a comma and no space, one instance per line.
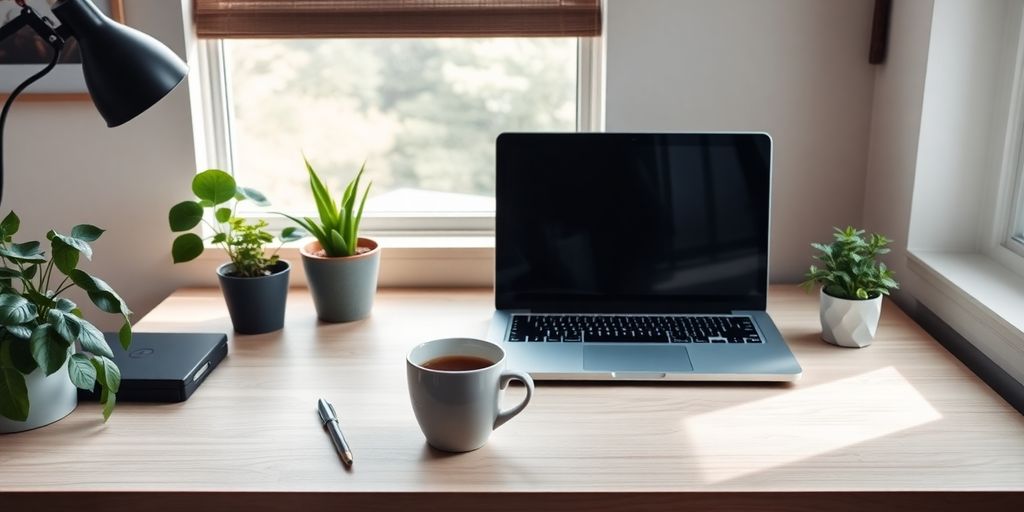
(396,18)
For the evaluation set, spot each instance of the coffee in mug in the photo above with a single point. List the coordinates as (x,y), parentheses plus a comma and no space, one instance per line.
(457,363)
(455,387)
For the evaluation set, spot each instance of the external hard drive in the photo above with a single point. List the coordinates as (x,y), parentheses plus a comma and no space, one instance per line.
(163,367)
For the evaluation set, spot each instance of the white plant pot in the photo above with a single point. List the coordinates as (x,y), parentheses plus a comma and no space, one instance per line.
(849,323)
(50,399)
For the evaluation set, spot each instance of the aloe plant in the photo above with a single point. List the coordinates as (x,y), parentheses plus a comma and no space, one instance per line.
(338,228)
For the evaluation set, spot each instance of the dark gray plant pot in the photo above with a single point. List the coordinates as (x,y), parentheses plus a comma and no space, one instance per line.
(256,304)
(343,288)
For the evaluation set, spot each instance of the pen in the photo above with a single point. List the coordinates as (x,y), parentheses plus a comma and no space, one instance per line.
(330,420)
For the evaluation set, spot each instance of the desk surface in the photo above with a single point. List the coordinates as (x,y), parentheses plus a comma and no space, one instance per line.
(900,416)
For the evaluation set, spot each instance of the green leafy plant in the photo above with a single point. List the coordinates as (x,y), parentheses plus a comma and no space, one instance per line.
(338,228)
(39,327)
(242,239)
(851,270)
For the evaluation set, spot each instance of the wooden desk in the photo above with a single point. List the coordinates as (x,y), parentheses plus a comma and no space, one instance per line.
(886,426)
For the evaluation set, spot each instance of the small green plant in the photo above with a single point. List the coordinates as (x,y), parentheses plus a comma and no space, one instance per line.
(243,240)
(39,327)
(338,229)
(851,271)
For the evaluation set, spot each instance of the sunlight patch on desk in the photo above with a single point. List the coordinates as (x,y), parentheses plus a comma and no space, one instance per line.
(803,423)
(189,311)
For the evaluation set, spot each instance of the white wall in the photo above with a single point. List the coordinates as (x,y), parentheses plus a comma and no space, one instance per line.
(796,69)
(895,130)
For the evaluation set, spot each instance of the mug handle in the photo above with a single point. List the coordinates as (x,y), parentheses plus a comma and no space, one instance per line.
(509,376)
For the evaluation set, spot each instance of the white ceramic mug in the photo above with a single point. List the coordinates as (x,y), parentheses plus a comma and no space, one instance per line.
(458,410)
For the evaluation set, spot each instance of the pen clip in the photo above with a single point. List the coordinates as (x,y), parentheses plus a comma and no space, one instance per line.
(327,412)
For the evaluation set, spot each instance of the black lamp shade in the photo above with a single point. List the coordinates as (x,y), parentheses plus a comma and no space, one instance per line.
(126,71)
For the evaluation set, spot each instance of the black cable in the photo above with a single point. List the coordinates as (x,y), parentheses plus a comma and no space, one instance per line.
(7,107)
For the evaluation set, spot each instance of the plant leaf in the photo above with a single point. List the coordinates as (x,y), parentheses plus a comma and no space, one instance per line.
(214,185)
(79,245)
(253,195)
(10,225)
(111,374)
(291,234)
(64,324)
(48,348)
(65,257)
(39,299)
(13,392)
(86,232)
(82,372)
(322,197)
(108,399)
(338,244)
(65,305)
(15,309)
(186,247)
(92,340)
(222,214)
(28,252)
(20,356)
(19,331)
(185,216)
(124,335)
(359,215)
(101,294)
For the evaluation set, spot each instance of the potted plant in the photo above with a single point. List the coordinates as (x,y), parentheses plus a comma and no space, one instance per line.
(255,285)
(341,267)
(852,285)
(47,348)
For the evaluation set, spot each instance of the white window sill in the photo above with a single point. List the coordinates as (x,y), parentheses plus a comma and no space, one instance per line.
(406,261)
(979,298)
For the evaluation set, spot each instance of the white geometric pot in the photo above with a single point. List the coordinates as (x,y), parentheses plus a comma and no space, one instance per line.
(849,323)
(50,399)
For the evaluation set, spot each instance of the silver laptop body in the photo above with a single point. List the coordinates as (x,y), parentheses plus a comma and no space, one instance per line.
(636,256)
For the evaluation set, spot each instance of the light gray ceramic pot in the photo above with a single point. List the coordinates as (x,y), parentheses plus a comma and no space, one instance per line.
(343,288)
(50,399)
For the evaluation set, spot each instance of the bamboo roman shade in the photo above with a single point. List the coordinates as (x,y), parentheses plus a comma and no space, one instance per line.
(396,18)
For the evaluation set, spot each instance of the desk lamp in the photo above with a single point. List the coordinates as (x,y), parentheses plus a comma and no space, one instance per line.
(126,71)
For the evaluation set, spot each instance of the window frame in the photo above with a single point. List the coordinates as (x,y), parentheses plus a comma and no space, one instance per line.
(218,142)
(1004,244)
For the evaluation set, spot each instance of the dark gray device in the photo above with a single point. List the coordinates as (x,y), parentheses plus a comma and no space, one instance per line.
(163,367)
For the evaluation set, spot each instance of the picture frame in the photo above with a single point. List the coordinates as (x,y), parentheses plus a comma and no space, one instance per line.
(66,81)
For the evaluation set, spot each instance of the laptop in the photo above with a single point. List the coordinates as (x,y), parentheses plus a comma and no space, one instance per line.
(636,256)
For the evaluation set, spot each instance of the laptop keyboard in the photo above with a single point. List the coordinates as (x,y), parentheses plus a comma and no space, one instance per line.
(633,329)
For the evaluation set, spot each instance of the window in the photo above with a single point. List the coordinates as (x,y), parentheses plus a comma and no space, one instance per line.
(1010,221)
(422,113)
(417,89)
(1015,240)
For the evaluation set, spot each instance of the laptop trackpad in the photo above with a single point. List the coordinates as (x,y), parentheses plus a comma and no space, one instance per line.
(627,358)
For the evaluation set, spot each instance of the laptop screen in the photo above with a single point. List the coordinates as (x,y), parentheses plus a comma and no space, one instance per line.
(632,223)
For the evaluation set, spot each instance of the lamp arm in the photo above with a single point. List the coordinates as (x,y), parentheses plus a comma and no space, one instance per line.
(13,26)
(28,18)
